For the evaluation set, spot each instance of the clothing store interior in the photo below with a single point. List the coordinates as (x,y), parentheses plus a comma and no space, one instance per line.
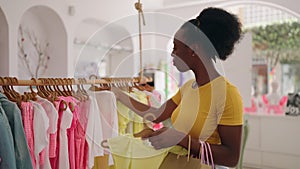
(83,85)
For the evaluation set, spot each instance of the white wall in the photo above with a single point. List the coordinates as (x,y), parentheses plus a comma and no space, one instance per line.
(44,24)
(238,67)
(107,12)
(102,10)
(4,44)
(14,11)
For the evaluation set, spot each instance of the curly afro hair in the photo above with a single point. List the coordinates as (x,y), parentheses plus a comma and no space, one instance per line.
(222,28)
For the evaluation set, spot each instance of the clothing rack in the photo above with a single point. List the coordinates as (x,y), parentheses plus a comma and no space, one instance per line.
(113,81)
(51,88)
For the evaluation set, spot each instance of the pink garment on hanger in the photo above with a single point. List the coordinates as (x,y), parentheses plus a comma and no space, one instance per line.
(54,149)
(52,145)
(27,119)
(73,105)
(65,116)
(81,149)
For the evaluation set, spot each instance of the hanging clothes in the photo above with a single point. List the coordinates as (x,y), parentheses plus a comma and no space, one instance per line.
(81,145)
(7,150)
(52,115)
(130,119)
(106,101)
(40,127)
(73,106)
(14,117)
(27,118)
(94,135)
(138,122)
(65,117)
(126,116)
(134,153)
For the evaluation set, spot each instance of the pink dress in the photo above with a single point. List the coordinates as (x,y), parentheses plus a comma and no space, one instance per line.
(27,119)
(73,105)
(65,117)
(81,145)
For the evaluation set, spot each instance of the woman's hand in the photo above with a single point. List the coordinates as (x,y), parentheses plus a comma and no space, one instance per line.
(165,137)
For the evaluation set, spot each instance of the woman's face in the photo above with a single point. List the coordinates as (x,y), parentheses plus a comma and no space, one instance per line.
(181,53)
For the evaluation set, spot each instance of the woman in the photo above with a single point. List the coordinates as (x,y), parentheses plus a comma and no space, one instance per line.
(208,108)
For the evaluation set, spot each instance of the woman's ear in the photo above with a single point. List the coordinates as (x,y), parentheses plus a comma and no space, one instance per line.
(196,49)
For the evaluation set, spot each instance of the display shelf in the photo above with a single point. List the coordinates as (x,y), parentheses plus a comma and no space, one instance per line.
(273,142)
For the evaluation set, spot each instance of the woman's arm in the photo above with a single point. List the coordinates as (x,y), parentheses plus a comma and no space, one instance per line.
(228,152)
(162,113)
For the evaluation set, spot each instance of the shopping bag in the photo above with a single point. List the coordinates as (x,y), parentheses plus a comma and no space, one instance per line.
(174,161)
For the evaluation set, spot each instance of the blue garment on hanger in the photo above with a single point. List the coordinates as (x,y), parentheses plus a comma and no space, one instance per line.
(14,117)
(7,151)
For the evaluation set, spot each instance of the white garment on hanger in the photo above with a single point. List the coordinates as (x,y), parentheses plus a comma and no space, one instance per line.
(53,117)
(66,121)
(51,113)
(40,127)
(94,134)
(107,104)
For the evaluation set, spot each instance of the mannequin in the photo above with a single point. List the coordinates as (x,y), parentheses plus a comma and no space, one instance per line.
(253,107)
(274,101)
(274,97)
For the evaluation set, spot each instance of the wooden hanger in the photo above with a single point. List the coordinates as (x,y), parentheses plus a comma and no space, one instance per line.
(32,94)
(5,89)
(43,89)
(73,93)
(68,86)
(82,90)
(138,86)
(12,82)
(39,91)
(148,87)
(58,86)
(78,92)
(51,88)
(50,94)
(9,91)
(101,86)
(65,88)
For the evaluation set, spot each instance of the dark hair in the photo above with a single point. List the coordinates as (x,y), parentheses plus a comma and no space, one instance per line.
(222,28)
